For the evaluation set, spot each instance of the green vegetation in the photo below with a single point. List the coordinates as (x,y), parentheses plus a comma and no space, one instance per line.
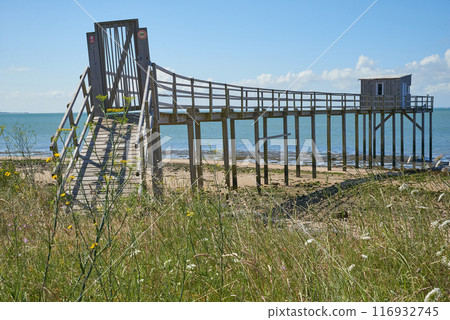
(391,245)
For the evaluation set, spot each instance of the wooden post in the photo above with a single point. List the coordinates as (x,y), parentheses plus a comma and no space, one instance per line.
(370,137)
(430,128)
(157,171)
(328,133)
(297,144)
(285,140)
(96,78)
(402,143)
(344,134)
(257,155)
(266,152)
(423,136)
(394,162)
(191,146)
(198,153)
(414,139)
(356,139)
(233,154)
(382,137)
(226,155)
(313,138)
(374,136)
(364,138)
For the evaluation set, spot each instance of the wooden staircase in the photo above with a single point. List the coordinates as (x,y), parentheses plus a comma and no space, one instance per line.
(107,164)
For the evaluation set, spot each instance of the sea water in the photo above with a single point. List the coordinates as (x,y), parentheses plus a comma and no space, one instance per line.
(42,127)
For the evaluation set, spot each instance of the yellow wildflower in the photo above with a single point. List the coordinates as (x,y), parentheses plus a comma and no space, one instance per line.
(95,223)
(190,213)
(54,177)
(15,172)
(69,227)
(7,174)
(67,203)
(48,159)
(56,155)
(94,245)
(63,195)
(123,161)
(72,177)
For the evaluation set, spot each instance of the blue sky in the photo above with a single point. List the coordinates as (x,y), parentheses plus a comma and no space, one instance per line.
(263,43)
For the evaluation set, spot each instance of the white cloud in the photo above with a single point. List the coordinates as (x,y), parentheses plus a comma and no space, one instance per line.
(364,62)
(14,69)
(429,76)
(430,59)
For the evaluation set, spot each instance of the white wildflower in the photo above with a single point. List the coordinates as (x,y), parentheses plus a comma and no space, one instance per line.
(309,241)
(415,192)
(440,197)
(364,256)
(439,253)
(444,260)
(167,262)
(190,266)
(269,267)
(404,186)
(135,252)
(365,236)
(433,295)
(443,224)
(434,223)
(389,205)
(351,267)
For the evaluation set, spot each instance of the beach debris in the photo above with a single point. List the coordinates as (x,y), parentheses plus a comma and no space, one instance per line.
(409,159)
(403,187)
(443,224)
(438,158)
(364,256)
(433,295)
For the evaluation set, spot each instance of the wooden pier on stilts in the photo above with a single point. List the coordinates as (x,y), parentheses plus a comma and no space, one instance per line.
(145,96)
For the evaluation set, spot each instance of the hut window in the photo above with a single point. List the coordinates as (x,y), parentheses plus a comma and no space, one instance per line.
(380,89)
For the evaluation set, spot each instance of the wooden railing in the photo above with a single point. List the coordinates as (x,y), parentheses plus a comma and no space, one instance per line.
(73,142)
(178,93)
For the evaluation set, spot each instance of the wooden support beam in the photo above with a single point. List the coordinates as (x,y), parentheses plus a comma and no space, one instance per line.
(430,128)
(313,138)
(297,145)
(381,122)
(257,155)
(266,152)
(413,121)
(374,135)
(370,149)
(402,140)
(285,150)
(233,154)
(414,140)
(328,133)
(191,146)
(344,136)
(198,153)
(356,140)
(382,138)
(226,152)
(423,138)
(364,137)
(394,162)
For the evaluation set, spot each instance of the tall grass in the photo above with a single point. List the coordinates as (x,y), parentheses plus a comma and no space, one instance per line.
(371,242)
